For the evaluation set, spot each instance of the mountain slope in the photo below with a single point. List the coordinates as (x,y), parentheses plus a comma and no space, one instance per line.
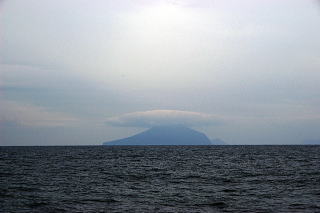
(165,135)
(217,141)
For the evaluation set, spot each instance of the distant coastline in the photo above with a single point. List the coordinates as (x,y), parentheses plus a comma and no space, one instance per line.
(167,135)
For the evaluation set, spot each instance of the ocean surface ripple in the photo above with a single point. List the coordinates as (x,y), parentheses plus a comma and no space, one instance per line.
(160,179)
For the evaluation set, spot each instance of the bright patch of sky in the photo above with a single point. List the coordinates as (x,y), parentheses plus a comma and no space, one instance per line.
(69,66)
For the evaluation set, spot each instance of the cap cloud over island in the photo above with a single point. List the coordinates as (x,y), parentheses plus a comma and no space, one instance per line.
(167,135)
(69,67)
(168,127)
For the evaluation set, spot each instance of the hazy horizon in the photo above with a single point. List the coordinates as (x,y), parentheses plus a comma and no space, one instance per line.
(80,73)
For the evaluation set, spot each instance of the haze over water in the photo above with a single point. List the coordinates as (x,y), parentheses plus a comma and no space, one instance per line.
(159,72)
(74,73)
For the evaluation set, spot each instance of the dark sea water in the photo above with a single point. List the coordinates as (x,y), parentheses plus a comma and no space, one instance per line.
(160,179)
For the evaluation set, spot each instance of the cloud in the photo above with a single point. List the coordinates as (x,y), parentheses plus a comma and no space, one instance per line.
(35,76)
(30,115)
(163,117)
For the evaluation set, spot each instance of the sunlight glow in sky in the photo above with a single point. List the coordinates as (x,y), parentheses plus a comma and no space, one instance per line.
(66,67)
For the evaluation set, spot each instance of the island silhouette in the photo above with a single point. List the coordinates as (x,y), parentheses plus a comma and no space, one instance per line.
(166,135)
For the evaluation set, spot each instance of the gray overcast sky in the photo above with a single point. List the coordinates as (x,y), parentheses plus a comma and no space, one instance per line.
(69,66)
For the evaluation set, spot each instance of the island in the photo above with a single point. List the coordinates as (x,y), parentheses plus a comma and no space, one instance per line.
(165,135)
(311,142)
(217,141)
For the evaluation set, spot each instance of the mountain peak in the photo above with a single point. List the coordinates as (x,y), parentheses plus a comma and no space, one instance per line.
(165,135)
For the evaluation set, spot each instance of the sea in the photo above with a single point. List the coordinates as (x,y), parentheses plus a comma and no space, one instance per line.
(160,179)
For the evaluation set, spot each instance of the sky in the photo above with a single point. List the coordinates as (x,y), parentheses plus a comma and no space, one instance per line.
(82,72)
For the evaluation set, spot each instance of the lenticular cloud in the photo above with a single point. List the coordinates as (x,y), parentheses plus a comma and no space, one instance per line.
(163,117)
